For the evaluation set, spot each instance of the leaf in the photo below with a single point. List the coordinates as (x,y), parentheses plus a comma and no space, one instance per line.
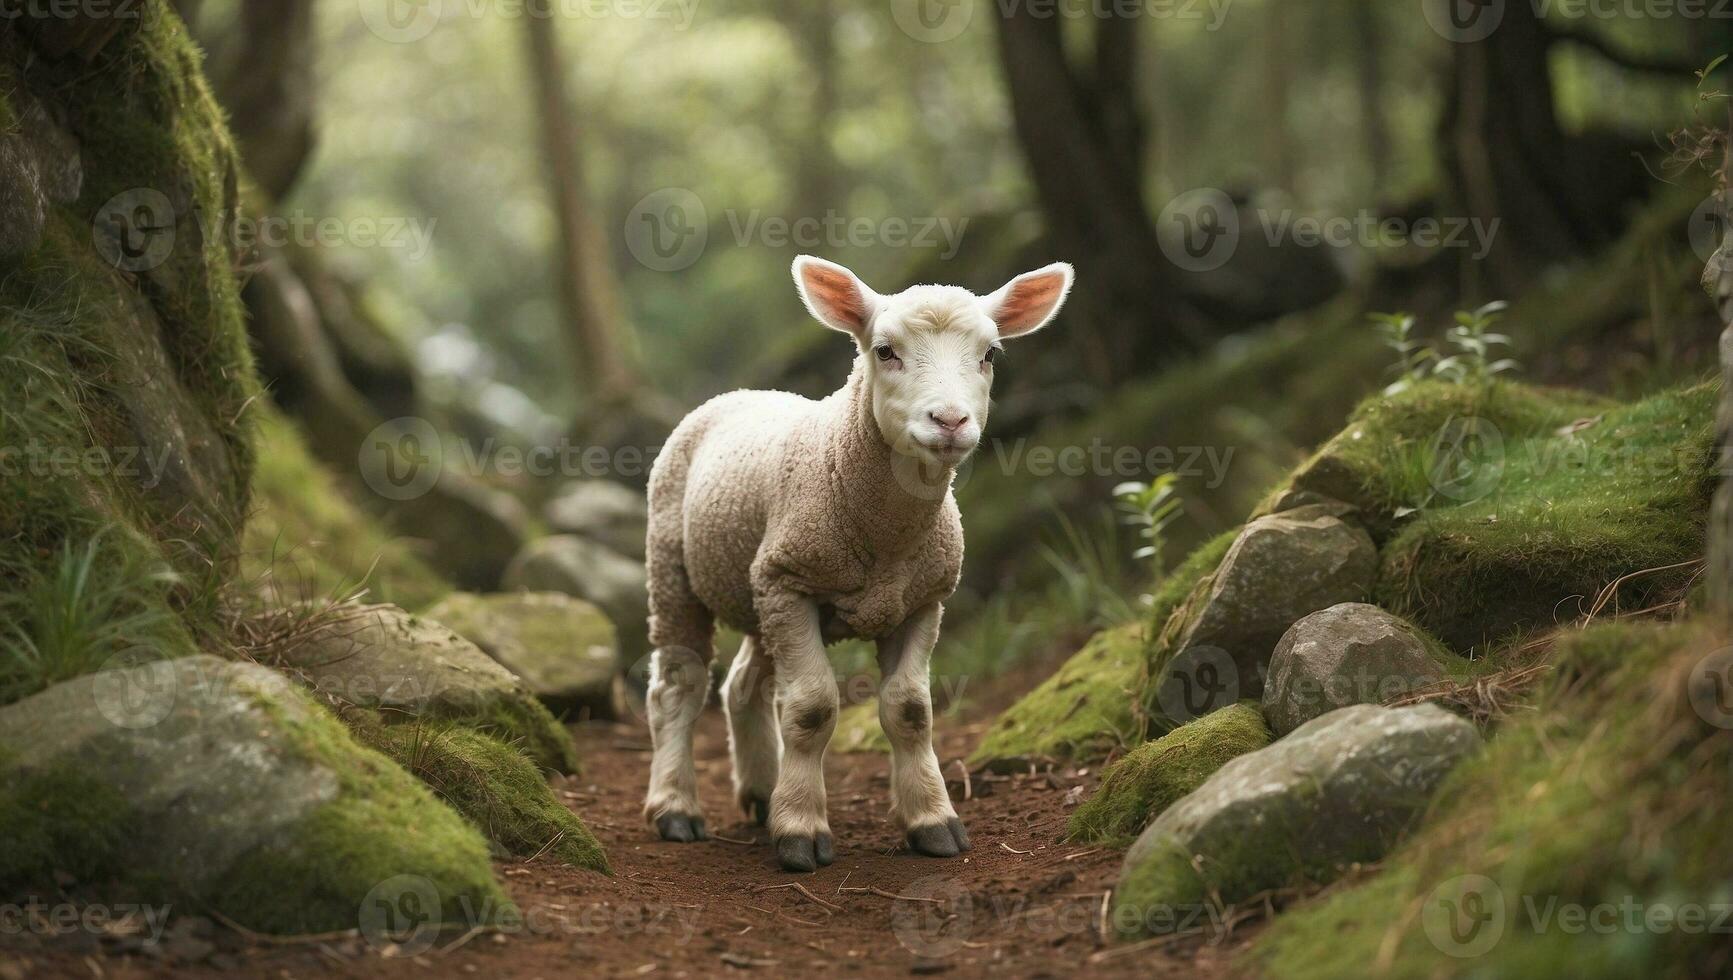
(1129,489)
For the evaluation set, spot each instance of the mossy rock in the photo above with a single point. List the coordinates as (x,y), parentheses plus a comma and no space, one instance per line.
(1157,774)
(564,649)
(411,667)
(221,785)
(1352,653)
(858,730)
(494,787)
(1608,794)
(578,566)
(1339,791)
(307,540)
(1566,511)
(1085,710)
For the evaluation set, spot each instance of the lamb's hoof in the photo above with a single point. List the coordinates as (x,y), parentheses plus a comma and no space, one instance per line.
(756,808)
(800,853)
(940,840)
(681,828)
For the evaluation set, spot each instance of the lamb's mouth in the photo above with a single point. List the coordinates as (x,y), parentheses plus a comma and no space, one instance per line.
(949,453)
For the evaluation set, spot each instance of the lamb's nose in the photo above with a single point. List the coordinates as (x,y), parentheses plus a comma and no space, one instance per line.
(950,421)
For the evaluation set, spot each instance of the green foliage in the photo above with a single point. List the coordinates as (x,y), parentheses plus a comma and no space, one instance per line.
(495,788)
(59,819)
(1471,338)
(1150,507)
(1155,775)
(88,605)
(1608,794)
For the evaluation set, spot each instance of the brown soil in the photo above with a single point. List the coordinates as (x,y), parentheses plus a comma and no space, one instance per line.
(1022,903)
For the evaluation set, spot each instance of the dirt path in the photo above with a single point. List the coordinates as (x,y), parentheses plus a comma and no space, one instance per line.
(1021,904)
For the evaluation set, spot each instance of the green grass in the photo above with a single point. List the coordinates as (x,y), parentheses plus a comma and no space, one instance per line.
(1612,790)
(495,787)
(1152,777)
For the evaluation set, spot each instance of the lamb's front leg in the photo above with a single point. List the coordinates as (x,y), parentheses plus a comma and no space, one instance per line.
(806,697)
(919,802)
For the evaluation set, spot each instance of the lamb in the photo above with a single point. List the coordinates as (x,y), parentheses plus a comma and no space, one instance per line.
(801,523)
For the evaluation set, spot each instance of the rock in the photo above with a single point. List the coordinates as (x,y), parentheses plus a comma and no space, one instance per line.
(1341,789)
(381,657)
(603,511)
(563,648)
(221,785)
(1350,653)
(39,165)
(475,528)
(1281,568)
(1156,774)
(576,566)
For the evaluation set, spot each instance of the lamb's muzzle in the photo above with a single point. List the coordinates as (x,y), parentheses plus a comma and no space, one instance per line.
(800,523)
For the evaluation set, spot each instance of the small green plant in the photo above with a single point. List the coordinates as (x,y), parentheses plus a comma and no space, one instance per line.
(1471,339)
(1151,508)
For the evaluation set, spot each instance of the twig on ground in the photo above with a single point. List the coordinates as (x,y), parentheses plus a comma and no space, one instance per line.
(797,886)
(875,890)
(1013,850)
(968,785)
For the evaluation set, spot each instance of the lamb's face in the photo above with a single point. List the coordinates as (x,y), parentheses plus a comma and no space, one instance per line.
(930,350)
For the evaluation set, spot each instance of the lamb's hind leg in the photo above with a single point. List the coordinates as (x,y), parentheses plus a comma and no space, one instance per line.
(807,700)
(749,700)
(919,803)
(681,629)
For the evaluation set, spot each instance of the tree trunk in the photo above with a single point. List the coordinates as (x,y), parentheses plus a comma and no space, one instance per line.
(266,83)
(1369,65)
(587,291)
(1718,280)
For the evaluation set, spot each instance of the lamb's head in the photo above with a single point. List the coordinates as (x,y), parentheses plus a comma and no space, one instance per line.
(929,350)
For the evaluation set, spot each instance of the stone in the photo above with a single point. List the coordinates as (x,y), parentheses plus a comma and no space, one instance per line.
(577,566)
(603,511)
(563,648)
(1350,653)
(1340,790)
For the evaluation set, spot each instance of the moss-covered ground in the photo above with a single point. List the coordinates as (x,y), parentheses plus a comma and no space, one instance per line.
(494,786)
(1085,709)
(1587,841)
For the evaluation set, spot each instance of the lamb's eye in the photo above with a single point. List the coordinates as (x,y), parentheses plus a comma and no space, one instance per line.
(885,353)
(992,355)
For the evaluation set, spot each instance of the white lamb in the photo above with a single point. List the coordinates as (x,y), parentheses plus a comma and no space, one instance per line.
(800,523)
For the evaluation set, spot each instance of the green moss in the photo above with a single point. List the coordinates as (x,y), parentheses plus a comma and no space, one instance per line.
(1569,516)
(58,820)
(383,824)
(311,541)
(1609,795)
(1084,710)
(858,730)
(495,788)
(526,723)
(1155,775)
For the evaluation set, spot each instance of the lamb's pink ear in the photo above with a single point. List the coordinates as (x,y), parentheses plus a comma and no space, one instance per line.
(1026,303)
(835,296)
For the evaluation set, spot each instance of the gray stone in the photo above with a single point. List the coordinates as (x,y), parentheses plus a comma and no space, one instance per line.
(1350,653)
(40,165)
(577,566)
(562,647)
(611,513)
(1281,568)
(1340,790)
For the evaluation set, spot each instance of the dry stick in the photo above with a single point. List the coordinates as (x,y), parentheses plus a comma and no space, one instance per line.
(555,839)
(1013,850)
(845,879)
(968,786)
(1156,943)
(1071,857)
(267,938)
(876,890)
(1102,926)
(732,840)
(797,886)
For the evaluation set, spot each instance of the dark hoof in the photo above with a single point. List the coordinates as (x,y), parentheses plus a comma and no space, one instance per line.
(799,853)
(941,840)
(681,828)
(757,808)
